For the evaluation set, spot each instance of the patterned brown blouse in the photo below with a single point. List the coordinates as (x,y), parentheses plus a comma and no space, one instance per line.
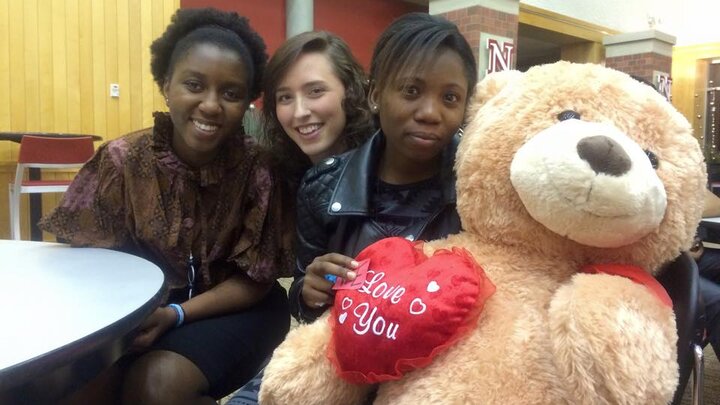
(135,195)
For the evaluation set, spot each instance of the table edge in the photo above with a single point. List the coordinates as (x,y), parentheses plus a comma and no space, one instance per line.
(17,136)
(18,376)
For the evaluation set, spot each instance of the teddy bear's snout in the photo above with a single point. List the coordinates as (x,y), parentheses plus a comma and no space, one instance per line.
(589,182)
(604,155)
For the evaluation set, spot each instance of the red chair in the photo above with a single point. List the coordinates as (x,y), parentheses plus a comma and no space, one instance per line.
(45,153)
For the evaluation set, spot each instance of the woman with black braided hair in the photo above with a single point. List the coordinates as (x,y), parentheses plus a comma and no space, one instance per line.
(194,195)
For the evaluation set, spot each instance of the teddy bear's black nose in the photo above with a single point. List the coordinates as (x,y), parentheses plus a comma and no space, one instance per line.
(604,155)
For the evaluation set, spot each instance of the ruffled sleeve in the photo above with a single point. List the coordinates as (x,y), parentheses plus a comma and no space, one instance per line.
(92,211)
(265,247)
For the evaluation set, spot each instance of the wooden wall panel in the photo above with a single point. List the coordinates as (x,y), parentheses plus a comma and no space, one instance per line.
(72,74)
(5,95)
(57,61)
(58,58)
(86,83)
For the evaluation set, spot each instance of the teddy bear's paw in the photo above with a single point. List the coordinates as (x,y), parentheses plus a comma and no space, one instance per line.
(614,341)
(300,373)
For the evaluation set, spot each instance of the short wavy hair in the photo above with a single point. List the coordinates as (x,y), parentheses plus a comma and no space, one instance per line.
(224,29)
(358,125)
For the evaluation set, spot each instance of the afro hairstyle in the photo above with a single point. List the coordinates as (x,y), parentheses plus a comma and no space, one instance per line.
(220,23)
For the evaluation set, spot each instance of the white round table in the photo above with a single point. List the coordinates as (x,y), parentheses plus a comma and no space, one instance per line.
(66,313)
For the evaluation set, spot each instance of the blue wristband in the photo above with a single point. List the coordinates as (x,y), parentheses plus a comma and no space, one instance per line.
(179,312)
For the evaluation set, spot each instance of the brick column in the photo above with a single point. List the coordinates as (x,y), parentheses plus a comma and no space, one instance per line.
(645,54)
(484,23)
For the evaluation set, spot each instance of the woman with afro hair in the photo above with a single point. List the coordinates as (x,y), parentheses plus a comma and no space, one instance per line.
(194,195)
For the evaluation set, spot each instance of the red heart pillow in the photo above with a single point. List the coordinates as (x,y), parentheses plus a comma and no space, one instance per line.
(410,308)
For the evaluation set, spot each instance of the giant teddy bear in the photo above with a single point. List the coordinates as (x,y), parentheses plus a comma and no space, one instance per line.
(575,182)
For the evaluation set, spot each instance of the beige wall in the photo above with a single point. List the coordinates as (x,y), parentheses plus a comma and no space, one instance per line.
(57,60)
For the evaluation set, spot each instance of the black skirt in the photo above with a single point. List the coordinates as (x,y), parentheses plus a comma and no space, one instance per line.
(230,349)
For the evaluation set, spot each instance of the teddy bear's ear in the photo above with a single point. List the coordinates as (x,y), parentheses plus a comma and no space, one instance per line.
(490,86)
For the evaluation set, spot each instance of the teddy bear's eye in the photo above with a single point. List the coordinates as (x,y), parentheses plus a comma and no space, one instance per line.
(568,115)
(654,161)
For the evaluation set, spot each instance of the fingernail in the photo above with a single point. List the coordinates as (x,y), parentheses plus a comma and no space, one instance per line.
(351,275)
(354,263)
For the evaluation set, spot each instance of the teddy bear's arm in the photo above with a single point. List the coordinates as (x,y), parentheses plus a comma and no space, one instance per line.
(613,341)
(300,372)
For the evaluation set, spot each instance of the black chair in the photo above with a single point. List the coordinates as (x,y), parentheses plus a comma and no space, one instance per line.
(681,280)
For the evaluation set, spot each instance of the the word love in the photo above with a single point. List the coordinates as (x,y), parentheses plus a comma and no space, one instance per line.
(375,287)
(367,314)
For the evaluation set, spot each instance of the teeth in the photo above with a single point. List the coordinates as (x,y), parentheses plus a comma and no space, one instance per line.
(308,129)
(205,127)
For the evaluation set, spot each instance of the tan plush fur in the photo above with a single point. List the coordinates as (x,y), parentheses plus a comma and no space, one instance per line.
(549,334)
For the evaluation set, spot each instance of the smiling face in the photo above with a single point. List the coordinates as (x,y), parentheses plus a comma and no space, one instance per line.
(309,106)
(207,96)
(420,113)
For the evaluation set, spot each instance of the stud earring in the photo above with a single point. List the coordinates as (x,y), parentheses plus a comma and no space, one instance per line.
(375,108)
(167,100)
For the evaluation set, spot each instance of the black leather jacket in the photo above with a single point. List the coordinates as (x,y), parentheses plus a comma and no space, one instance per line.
(333,211)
